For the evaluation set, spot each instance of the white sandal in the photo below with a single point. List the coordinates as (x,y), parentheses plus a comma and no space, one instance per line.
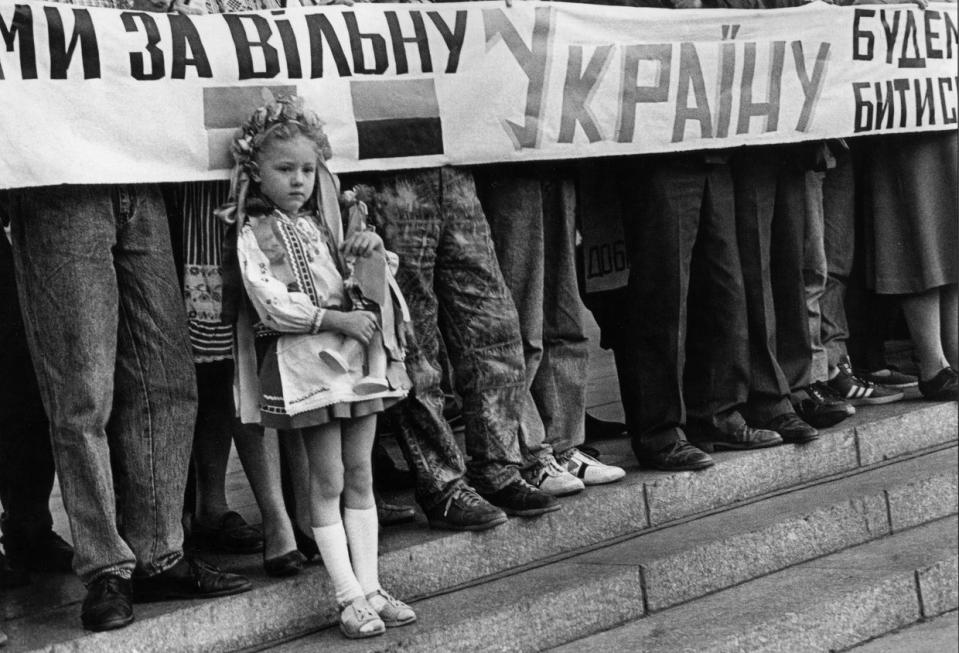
(393,612)
(358,619)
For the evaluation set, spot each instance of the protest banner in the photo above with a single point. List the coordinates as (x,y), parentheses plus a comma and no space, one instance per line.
(94,95)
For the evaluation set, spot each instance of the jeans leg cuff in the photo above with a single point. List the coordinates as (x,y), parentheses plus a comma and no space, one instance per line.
(124,570)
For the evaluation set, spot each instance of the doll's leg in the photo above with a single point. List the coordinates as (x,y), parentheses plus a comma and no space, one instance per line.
(375,378)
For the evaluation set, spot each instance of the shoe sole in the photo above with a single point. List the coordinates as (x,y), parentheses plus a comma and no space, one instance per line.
(876,401)
(113,624)
(450,526)
(826,421)
(399,623)
(743,446)
(184,596)
(530,512)
(802,440)
(606,481)
(679,468)
(375,633)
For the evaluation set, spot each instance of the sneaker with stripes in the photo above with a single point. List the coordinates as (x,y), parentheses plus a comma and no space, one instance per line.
(858,391)
(591,471)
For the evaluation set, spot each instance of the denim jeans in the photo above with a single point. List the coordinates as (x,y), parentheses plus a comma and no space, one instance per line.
(828,259)
(770,225)
(26,459)
(449,275)
(530,216)
(106,328)
(683,256)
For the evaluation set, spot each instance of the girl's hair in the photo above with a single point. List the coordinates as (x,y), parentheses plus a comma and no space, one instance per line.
(283,119)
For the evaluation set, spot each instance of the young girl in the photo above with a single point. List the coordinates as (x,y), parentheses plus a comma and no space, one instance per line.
(311,349)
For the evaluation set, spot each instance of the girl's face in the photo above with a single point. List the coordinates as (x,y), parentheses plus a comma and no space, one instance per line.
(287,172)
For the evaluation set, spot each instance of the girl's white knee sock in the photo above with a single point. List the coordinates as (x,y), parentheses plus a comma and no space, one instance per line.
(331,541)
(362,531)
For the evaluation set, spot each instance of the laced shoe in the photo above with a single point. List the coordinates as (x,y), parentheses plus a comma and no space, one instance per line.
(464,510)
(821,407)
(944,386)
(590,471)
(858,391)
(792,428)
(108,603)
(522,499)
(358,619)
(550,477)
(742,438)
(674,457)
(392,611)
(890,378)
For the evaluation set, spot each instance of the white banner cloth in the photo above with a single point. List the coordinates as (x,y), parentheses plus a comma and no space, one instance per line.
(100,95)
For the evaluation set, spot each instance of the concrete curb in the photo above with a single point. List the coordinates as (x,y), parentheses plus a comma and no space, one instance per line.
(416,562)
(543,607)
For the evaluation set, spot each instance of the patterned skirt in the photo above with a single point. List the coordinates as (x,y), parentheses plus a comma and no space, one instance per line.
(272,406)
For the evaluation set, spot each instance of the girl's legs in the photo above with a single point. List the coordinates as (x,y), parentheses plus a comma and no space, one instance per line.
(260,455)
(324,451)
(949,323)
(922,312)
(359,514)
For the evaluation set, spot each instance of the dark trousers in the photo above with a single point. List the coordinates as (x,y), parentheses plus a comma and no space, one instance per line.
(682,233)
(770,223)
(26,457)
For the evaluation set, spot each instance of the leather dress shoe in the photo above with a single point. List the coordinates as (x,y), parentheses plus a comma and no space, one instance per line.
(741,438)
(190,578)
(944,386)
(677,456)
(792,429)
(289,564)
(108,603)
(390,514)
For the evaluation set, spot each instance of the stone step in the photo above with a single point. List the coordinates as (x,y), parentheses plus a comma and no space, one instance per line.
(417,562)
(828,604)
(936,635)
(593,591)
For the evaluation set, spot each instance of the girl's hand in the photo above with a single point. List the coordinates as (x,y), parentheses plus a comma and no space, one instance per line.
(360,325)
(362,243)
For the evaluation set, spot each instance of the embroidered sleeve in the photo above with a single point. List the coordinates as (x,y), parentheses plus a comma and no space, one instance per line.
(279,306)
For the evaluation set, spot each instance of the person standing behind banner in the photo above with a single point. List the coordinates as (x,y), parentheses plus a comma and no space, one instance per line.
(107,334)
(912,236)
(530,213)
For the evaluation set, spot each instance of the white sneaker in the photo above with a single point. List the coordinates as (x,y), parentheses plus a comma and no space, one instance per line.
(551,478)
(591,471)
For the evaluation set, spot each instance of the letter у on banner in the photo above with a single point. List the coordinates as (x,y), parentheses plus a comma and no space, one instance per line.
(533,59)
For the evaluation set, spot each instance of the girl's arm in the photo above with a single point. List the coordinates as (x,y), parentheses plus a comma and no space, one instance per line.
(280,308)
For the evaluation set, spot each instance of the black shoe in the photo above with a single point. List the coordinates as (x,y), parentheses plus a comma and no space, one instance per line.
(942,387)
(464,510)
(289,564)
(10,577)
(522,499)
(792,429)
(743,438)
(598,429)
(231,534)
(190,578)
(45,552)
(858,391)
(108,603)
(676,457)
(390,514)
(821,407)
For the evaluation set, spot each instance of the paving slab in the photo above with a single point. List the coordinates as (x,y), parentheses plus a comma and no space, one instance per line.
(417,561)
(717,551)
(541,608)
(896,432)
(938,635)
(830,603)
